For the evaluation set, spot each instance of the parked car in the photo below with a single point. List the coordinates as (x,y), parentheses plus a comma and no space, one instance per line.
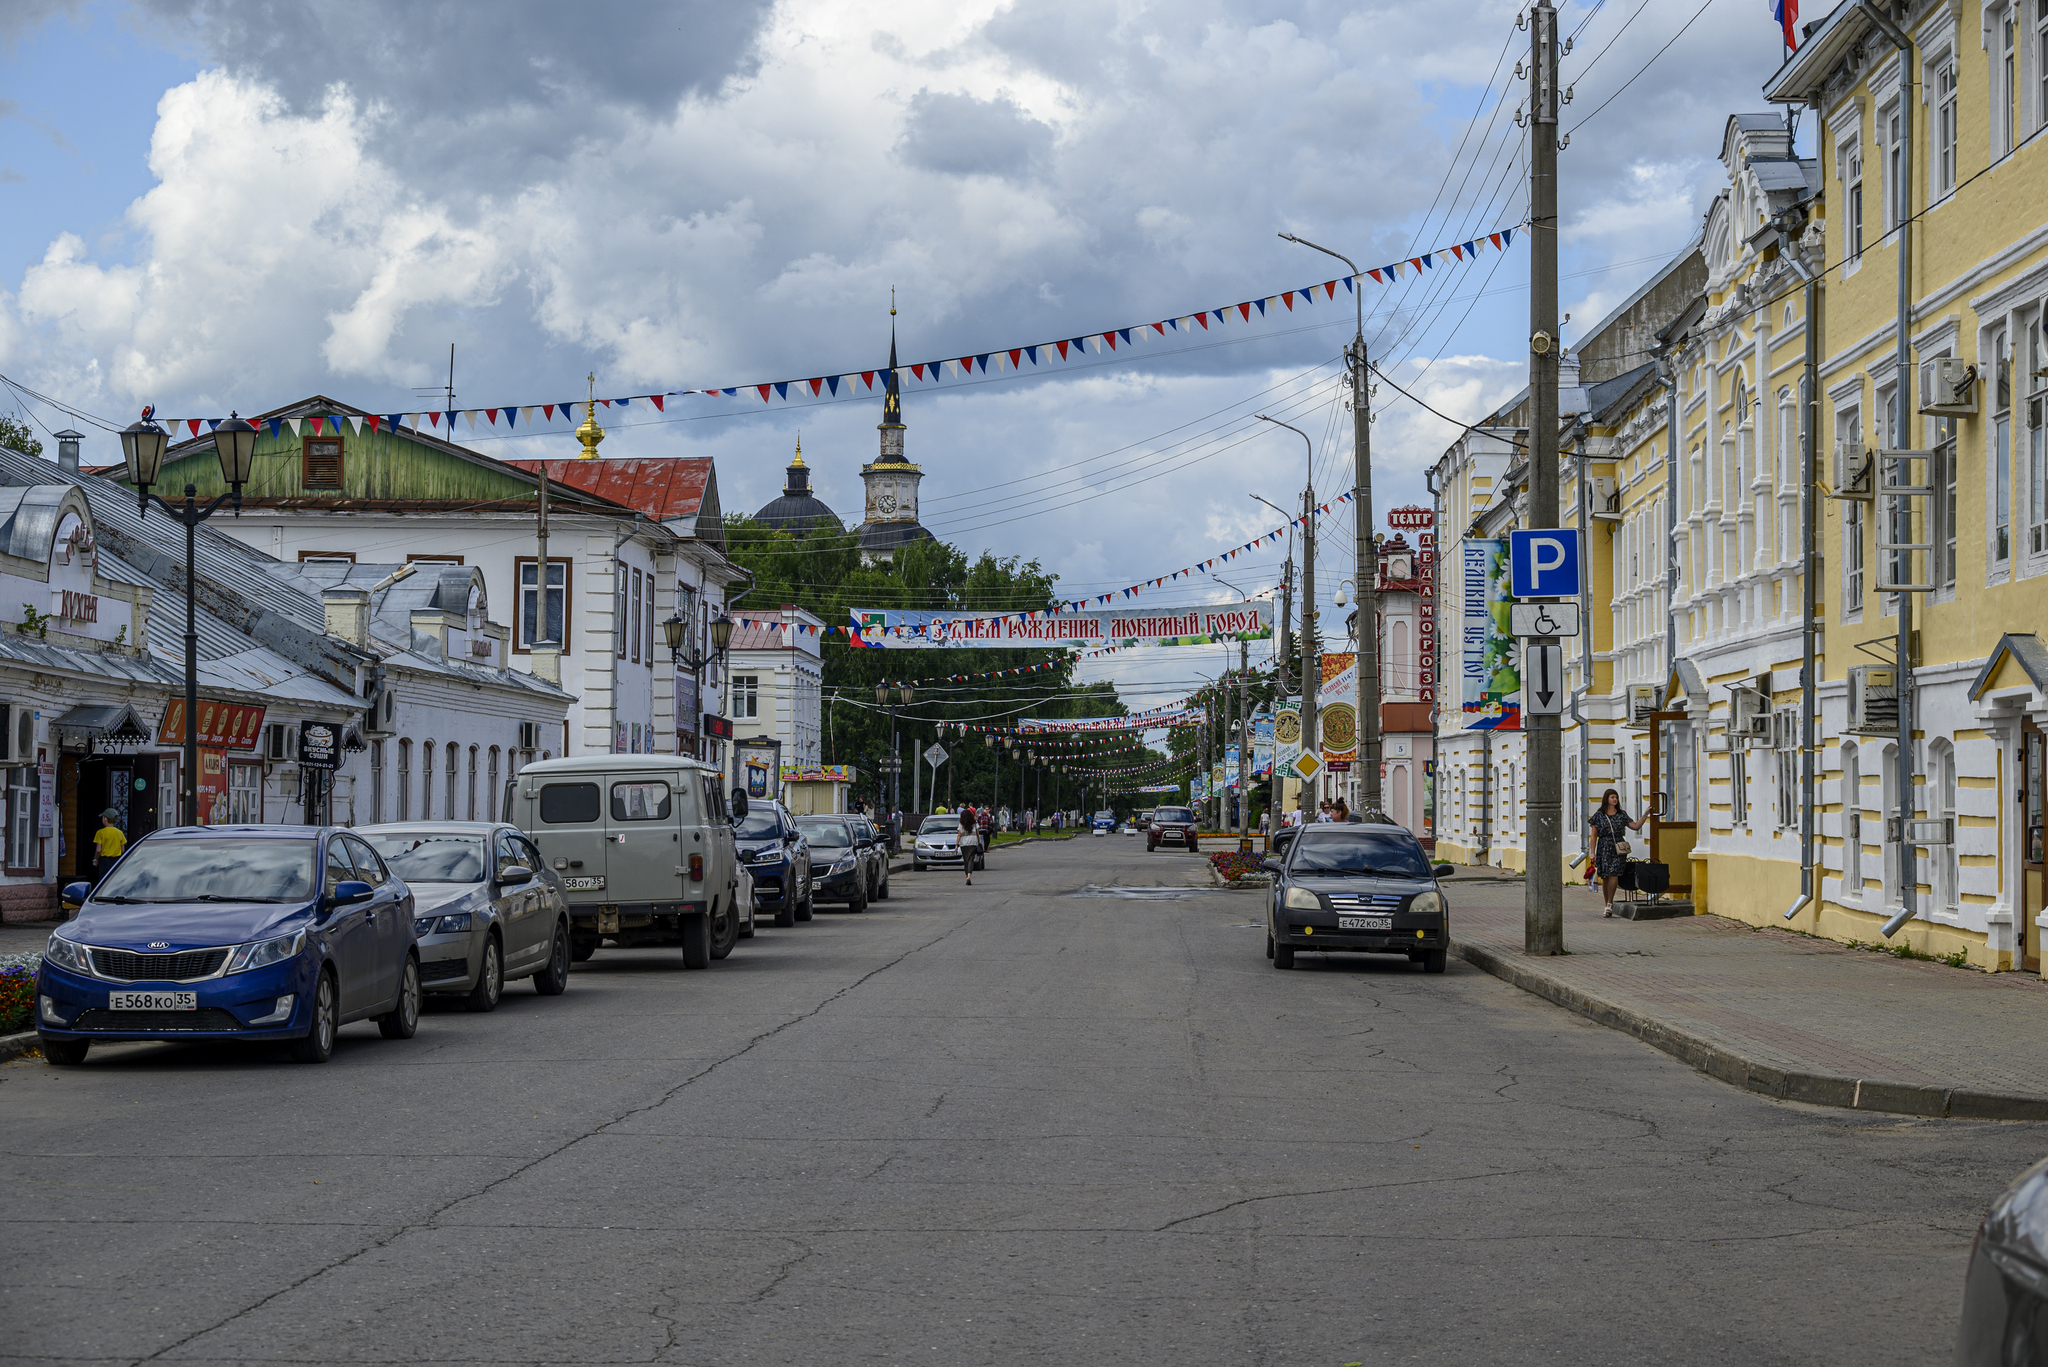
(644,845)
(280,933)
(1102,823)
(778,857)
(2005,1291)
(938,845)
(875,847)
(836,848)
(1172,826)
(1365,888)
(487,909)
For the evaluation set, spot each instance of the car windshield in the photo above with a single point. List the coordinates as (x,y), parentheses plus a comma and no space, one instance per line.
(205,869)
(1174,814)
(830,834)
(939,825)
(1360,852)
(760,823)
(430,857)
(1105,816)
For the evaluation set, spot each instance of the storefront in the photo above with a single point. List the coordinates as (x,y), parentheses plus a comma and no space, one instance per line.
(101,766)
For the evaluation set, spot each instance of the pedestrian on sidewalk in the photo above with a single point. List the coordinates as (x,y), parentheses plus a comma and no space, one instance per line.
(970,842)
(108,843)
(1611,826)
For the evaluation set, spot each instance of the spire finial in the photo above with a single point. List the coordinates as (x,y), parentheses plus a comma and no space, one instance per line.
(590,434)
(799,449)
(892,301)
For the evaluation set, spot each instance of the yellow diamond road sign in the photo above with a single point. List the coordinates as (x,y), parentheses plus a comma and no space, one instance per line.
(1307,766)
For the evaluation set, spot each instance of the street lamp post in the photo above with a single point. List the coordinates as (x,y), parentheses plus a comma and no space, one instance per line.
(1311,675)
(677,632)
(904,694)
(143,445)
(1365,570)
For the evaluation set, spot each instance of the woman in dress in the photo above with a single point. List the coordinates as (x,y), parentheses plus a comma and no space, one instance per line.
(1610,825)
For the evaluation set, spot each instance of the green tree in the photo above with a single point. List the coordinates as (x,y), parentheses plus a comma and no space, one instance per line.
(19,436)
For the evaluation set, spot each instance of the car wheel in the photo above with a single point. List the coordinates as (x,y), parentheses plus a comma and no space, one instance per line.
(317,1044)
(882,893)
(582,947)
(858,902)
(806,908)
(553,978)
(1150,847)
(1283,956)
(402,1020)
(785,915)
(697,940)
(65,1052)
(725,929)
(490,979)
(917,868)
(1433,961)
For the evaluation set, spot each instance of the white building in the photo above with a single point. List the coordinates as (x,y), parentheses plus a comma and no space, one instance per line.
(778,677)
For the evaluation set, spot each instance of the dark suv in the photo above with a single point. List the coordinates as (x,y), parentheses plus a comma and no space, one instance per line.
(1172,826)
(1358,888)
(778,858)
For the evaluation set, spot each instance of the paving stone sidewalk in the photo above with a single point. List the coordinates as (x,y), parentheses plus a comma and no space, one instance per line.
(1780,1013)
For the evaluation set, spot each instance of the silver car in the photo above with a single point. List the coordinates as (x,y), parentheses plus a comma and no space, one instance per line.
(486,907)
(938,845)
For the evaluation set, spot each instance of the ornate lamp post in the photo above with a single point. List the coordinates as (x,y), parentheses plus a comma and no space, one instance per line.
(677,633)
(904,694)
(143,445)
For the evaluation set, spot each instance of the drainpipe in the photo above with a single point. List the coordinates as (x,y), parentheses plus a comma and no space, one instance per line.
(1436,564)
(1809,683)
(1909,862)
(1585,687)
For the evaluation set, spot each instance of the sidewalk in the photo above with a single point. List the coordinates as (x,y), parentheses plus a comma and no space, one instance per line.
(1787,1015)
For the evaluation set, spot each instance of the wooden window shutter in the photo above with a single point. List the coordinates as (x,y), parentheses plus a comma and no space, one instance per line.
(322,465)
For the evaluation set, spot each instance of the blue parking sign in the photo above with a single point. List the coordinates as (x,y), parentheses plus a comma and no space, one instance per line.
(1543,564)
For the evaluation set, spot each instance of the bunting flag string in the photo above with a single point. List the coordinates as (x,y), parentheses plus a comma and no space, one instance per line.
(1035,356)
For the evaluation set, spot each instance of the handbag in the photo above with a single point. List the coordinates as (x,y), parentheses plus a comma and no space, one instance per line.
(1621,848)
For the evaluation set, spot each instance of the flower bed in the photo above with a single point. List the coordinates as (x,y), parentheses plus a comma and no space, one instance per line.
(17,990)
(1231,865)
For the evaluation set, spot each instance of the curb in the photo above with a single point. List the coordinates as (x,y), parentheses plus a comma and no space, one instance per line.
(14,1046)
(1818,1089)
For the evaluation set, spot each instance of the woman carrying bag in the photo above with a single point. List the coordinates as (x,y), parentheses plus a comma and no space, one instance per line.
(1611,850)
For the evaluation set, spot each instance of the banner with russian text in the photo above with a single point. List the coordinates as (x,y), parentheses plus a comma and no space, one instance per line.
(905,629)
(1490,677)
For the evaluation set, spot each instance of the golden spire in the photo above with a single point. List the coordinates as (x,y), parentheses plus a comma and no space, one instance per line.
(799,450)
(590,434)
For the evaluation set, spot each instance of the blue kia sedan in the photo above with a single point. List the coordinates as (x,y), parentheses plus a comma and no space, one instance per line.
(281,933)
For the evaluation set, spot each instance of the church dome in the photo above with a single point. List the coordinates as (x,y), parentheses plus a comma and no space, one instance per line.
(798,510)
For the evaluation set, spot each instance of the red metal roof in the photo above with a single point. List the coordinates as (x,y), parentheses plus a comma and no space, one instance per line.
(662,487)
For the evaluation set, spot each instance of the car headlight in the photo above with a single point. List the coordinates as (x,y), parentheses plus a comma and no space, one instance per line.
(264,953)
(423,925)
(453,922)
(65,954)
(1427,904)
(1301,899)
(843,865)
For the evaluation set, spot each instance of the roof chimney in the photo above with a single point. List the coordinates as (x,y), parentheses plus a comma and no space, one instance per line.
(348,614)
(67,449)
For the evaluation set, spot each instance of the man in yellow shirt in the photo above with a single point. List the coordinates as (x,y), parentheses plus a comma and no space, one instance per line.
(109,842)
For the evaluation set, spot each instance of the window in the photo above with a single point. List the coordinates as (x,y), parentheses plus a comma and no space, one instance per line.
(1946,866)
(454,754)
(2001,459)
(320,463)
(405,780)
(245,794)
(1787,757)
(424,561)
(1738,782)
(1945,509)
(1852,821)
(621,603)
(1897,201)
(568,804)
(376,782)
(327,557)
(491,788)
(472,782)
(647,620)
(2004,120)
(1849,436)
(746,695)
(530,622)
(639,611)
(1945,125)
(427,781)
(2041,63)
(642,801)
(2037,438)
(1852,220)
(24,801)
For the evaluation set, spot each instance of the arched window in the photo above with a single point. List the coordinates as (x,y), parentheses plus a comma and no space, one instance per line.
(427,780)
(491,788)
(1852,821)
(454,755)
(472,781)
(405,780)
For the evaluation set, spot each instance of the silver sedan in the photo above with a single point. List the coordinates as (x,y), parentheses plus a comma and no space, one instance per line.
(486,907)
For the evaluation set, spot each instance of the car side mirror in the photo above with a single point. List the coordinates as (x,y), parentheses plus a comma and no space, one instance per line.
(514,873)
(789,837)
(739,804)
(350,891)
(1271,865)
(74,895)
(1444,870)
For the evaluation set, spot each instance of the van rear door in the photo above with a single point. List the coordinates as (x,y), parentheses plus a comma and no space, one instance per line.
(569,827)
(652,818)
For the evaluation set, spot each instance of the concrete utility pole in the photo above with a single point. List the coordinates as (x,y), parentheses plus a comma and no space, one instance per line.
(1311,672)
(1543,893)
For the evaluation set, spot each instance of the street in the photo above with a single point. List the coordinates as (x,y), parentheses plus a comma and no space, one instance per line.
(975,1125)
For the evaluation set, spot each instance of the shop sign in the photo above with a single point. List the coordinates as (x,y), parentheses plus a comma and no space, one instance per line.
(213,787)
(78,607)
(320,745)
(46,812)
(222,725)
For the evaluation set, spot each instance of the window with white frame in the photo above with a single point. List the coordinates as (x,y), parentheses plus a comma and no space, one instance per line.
(427,781)
(746,695)
(621,597)
(472,782)
(454,757)
(1788,465)
(1852,820)
(245,794)
(1894,132)
(1941,80)
(2001,447)
(491,788)
(2005,86)
(1850,158)
(1786,754)
(2041,64)
(405,780)
(2037,429)
(24,801)
(376,781)
(1738,782)
(1947,873)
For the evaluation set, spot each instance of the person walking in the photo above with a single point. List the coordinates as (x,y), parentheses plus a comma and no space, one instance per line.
(108,843)
(970,842)
(1610,826)
(985,834)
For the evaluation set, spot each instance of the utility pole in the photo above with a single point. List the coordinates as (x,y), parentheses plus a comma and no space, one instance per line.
(1229,821)
(1244,737)
(1311,667)
(1543,892)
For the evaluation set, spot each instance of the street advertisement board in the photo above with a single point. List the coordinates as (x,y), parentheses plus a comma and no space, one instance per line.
(1160,788)
(1262,746)
(1287,734)
(1489,674)
(1337,708)
(223,725)
(818,773)
(319,744)
(901,629)
(1230,766)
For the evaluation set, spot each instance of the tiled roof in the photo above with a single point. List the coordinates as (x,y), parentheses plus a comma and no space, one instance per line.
(662,487)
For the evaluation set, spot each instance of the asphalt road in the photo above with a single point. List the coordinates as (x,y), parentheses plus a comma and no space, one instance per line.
(996,1124)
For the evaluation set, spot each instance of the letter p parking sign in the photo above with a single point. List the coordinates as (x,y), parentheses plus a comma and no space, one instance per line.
(1543,564)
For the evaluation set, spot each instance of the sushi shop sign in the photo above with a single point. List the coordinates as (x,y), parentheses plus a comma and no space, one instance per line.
(320,745)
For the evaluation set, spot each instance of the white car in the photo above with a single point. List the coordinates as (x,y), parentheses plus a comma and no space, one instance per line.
(938,844)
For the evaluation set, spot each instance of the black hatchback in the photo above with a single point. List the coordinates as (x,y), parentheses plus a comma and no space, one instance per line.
(1358,888)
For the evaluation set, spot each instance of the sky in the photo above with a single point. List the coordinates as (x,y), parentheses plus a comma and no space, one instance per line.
(215,204)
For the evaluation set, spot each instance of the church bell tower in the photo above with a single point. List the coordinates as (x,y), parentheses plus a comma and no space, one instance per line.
(891,514)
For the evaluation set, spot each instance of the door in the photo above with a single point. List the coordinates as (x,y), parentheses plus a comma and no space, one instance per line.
(653,833)
(2033,794)
(389,920)
(569,827)
(518,905)
(351,936)
(548,902)
(1674,832)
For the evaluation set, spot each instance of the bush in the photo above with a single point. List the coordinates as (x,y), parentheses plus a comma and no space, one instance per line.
(1233,865)
(17,991)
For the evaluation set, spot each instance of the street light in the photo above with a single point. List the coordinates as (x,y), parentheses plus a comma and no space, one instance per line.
(677,633)
(1310,675)
(143,445)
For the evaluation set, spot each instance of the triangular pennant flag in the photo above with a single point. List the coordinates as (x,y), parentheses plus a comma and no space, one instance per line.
(1015,352)
(1376,279)
(1288,299)
(530,411)
(316,425)
(764,391)
(1457,252)
(782,389)
(832,383)
(470,413)
(983,361)
(1031,352)
(1330,287)
(549,409)
(191,423)
(660,406)
(918,370)
(1507,236)
(816,385)
(1427,263)
(491,416)
(867,377)
(1494,238)
(1244,311)
(1203,319)
(1063,349)
(275,423)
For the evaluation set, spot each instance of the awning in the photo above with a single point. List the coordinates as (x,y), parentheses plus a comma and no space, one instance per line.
(112,723)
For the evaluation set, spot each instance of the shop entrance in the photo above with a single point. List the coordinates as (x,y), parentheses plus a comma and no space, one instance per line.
(88,785)
(2033,791)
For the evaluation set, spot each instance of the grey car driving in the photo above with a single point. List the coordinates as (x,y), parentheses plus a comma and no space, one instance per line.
(1358,888)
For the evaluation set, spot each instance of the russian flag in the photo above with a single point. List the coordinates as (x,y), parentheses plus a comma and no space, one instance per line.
(1786,12)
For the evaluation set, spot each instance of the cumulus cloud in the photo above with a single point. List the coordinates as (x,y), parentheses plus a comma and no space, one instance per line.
(959,135)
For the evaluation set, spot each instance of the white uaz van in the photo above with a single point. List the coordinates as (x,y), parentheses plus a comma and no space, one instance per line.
(643,845)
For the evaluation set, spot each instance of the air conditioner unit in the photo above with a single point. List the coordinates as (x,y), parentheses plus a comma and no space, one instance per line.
(529,735)
(1948,387)
(1873,700)
(1603,495)
(281,741)
(1854,468)
(1642,701)
(380,715)
(1749,714)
